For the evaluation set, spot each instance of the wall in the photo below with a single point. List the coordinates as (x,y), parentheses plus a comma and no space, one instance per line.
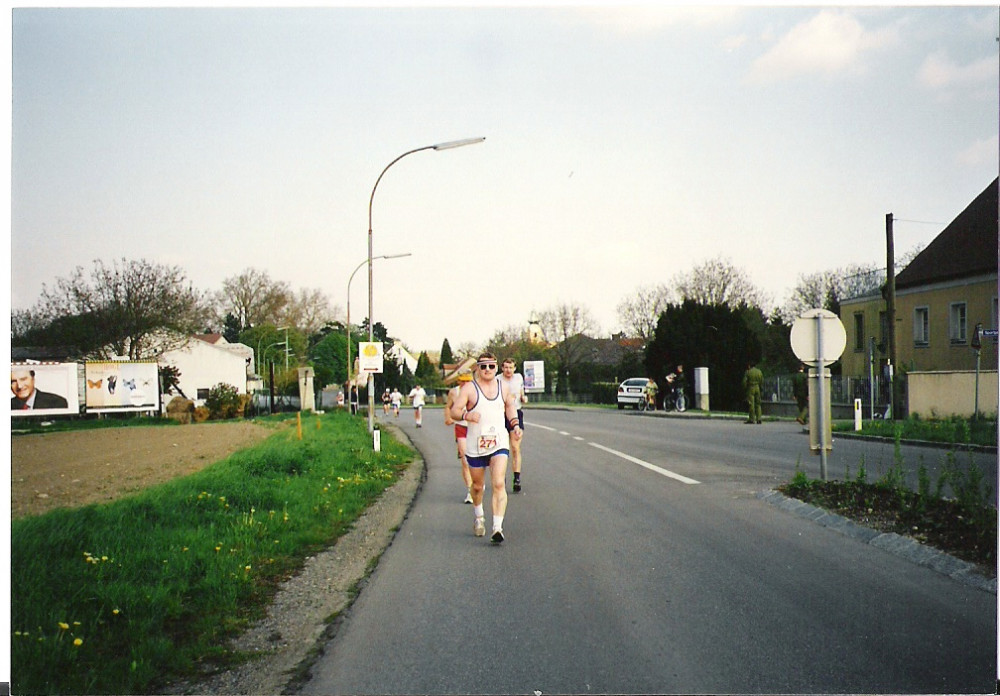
(202,366)
(942,394)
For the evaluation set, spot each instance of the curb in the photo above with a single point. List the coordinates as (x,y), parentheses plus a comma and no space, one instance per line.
(904,547)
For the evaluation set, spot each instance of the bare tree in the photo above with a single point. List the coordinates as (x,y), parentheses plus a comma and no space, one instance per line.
(718,282)
(308,310)
(561,324)
(639,312)
(826,289)
(253,298)
(133,308)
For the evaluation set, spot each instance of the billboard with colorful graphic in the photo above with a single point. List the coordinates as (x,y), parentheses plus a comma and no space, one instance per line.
(44,389)
(534,376)
(123,386)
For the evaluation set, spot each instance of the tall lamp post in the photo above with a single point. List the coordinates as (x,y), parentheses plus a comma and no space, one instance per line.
(350,364)
(371,321)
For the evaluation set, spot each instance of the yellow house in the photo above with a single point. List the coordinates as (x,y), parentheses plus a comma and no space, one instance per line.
(948,290)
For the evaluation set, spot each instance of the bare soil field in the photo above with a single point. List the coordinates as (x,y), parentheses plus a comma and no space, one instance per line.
(70,469)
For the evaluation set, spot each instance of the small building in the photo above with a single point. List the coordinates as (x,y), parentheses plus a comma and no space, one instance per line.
(207,360)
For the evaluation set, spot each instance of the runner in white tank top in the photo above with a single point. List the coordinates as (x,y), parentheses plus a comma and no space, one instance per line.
(484,403)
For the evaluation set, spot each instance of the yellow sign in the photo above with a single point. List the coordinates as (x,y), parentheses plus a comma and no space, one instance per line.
(370,357)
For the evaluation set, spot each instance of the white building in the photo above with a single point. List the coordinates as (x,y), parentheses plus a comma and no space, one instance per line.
(207,360)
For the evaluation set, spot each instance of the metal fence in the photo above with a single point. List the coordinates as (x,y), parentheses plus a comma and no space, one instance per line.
(843,391)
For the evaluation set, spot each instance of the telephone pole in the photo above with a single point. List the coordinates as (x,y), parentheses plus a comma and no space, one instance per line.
(890,286)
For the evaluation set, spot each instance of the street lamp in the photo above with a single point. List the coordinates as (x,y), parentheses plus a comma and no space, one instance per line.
(350,364)
(371,321)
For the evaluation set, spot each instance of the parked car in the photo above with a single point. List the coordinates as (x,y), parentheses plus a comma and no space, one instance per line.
(632,392)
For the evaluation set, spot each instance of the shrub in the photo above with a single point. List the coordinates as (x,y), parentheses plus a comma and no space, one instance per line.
(223,401)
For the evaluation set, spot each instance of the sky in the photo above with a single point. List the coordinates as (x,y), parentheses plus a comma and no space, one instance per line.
(623,146)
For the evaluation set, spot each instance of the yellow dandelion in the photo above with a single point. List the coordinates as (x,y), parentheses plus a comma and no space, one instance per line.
(78,642)
(116,612)
(76,623)
(248,567)
(63,625)
(219,548)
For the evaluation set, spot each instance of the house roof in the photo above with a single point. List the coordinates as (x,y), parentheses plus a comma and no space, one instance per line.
(211,338)
(967,247)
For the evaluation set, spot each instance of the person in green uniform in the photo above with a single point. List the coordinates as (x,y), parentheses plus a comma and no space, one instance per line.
(753,380)
(800,389)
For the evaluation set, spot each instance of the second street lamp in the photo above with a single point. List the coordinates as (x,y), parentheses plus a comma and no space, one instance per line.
(371,314)
(350,364)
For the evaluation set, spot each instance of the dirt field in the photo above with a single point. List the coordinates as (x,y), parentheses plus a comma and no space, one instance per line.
(68,469)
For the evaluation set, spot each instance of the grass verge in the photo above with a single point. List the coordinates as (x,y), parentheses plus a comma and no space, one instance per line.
(128,596)
(952,431)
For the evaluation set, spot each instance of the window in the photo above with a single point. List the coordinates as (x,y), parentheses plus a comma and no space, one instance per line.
(202,394)
(921,327)
(883,325)
(957,323)
(859,332)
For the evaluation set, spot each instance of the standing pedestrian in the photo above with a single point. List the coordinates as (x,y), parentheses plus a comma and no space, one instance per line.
(396,399)
(800,389)
(753,381)
(485,404)
(354,399)
(417,397)
(461,432)
(515,387)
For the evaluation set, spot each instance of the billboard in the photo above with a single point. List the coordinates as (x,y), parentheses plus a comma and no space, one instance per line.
(534,376)
(44,389)
(123,386)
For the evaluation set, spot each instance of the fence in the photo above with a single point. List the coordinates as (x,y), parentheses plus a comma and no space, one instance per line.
(778,391)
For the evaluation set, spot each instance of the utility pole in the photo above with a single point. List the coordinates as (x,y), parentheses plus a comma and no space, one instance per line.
(890,285)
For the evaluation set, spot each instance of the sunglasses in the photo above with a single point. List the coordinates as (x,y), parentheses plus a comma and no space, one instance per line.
(487,366)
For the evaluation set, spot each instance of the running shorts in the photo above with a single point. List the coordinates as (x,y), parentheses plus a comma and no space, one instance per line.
(484,461)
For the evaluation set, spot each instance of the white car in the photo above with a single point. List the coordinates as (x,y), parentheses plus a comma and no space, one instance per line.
(632,392)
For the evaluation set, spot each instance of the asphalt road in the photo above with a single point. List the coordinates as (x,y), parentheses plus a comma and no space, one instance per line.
(640,559)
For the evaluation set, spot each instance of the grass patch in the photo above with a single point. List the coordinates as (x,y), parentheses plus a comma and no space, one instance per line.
(128,596)
(955,430)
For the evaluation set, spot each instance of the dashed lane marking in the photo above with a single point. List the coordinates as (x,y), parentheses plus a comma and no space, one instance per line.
(626,457)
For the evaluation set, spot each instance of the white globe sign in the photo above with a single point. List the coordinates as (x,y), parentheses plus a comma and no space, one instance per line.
(806,331)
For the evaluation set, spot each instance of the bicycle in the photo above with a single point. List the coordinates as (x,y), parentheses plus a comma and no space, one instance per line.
(674,400)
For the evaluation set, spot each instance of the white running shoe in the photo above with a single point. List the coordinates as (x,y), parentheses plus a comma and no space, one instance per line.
(468,498)
(479,528)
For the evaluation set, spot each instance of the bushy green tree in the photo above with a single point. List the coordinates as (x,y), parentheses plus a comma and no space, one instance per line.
(446,355)
(329,360)
(717,336)
(224,401)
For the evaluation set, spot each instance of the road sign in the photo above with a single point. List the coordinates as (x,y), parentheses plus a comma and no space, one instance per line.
(990,333)
(805,338)
(370,357)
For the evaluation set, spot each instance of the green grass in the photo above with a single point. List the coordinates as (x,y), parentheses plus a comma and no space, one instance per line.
(952,431)
(127,596)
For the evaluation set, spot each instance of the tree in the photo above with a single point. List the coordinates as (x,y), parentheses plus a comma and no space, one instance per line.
(426,373)
(329,359)
(446,357)
(308,310)
(639,312)
(715,336)
(133,308)
(231,329)
(253,298)
(560,323)
(718,281)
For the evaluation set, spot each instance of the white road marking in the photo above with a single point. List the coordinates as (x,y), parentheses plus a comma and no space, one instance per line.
(647,465)
(634,460)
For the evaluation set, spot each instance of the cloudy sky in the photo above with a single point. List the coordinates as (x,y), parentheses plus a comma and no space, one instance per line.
(622,147)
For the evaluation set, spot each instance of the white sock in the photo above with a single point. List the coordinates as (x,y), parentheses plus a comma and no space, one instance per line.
(497,522)
(479,510)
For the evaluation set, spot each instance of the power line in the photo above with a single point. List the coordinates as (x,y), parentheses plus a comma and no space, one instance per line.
(919,222)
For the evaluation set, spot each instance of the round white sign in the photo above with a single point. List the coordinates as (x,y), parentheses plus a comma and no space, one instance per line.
(805,334)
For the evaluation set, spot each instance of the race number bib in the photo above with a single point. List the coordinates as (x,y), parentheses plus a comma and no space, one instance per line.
(487,441)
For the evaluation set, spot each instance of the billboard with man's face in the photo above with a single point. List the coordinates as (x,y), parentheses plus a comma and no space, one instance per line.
(44,389)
